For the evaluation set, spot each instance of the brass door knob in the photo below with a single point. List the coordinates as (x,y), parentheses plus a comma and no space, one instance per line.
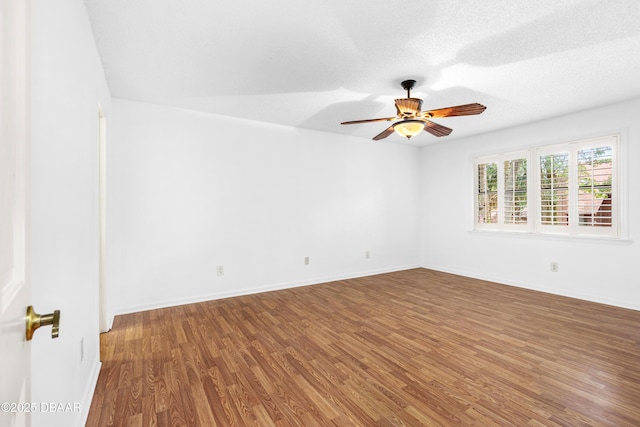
(35,320)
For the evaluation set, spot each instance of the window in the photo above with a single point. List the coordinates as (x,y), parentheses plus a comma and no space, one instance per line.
(515,191)
(595,187)
(487,199)
(554,189)
(502,183)
(562,189)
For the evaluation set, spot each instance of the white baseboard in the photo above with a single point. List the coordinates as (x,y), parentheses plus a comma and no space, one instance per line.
(255,290)
(535,287)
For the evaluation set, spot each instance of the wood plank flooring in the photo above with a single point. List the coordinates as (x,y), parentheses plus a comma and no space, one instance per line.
(411,348)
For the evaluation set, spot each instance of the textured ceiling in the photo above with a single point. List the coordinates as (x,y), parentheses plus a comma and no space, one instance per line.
(315,63)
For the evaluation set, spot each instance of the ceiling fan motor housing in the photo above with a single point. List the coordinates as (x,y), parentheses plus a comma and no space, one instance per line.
(408,107)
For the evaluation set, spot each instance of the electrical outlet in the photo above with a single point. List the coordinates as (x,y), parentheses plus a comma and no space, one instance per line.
(220,270)
(555,267)
(306,260)
(367,254)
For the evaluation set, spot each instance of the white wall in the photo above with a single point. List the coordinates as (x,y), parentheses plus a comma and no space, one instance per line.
(598,271)
(188,192)
(67,85)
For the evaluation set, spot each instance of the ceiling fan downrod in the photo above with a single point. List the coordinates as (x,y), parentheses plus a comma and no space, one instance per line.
(408,85)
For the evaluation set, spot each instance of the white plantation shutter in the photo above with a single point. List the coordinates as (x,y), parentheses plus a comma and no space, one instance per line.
(554,189)
(487,193)
(569,189)
(595,187)
(515,191)
(501,192)
(578,188)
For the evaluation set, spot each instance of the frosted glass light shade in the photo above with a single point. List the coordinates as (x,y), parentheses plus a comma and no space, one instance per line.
(409,128)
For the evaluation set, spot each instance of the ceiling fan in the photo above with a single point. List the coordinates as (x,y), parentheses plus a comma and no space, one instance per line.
(412,121)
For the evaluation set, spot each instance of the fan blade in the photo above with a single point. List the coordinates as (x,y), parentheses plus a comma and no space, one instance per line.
(353,122)
(459,110)
(385,133)
(436,129)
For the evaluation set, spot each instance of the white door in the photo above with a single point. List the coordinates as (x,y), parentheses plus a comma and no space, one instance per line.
(15,291)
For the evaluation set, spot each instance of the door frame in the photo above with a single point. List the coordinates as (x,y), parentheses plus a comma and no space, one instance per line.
(103,303)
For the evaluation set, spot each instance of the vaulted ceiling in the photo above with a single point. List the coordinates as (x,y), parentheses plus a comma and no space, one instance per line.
(315,63)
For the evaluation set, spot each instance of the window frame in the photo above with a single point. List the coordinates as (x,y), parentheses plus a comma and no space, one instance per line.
(534,223)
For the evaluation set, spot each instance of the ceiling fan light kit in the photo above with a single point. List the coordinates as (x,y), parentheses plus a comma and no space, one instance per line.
(412,121)
(408,128)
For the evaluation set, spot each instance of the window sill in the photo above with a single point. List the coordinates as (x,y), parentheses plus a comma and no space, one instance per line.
(553,237)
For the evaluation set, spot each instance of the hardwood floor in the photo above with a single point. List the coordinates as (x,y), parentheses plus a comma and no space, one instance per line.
(410,348)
